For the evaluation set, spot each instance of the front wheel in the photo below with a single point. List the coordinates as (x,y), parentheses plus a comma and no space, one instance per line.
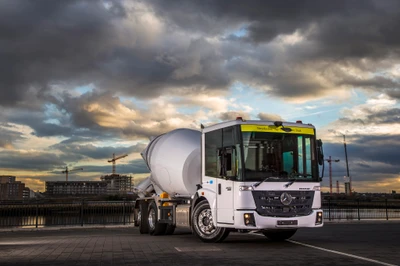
(279,235)
(202,224)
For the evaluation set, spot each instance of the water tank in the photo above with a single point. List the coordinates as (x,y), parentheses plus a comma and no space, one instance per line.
(174,161)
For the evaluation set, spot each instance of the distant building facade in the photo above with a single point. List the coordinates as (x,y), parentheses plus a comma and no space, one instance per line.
(118,184)
(7,179)
(76,188)
(12,190)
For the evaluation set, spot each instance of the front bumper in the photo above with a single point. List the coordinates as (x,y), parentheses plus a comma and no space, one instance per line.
(268,222)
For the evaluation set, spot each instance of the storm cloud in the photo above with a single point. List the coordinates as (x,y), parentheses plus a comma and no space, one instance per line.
(103,42)
(81,75)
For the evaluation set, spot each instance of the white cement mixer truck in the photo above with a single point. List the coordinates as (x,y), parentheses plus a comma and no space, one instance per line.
(235,176)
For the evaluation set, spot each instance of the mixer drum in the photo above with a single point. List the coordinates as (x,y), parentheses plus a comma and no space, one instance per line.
(174,161)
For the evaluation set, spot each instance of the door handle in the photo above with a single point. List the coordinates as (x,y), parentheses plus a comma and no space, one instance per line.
(219,189)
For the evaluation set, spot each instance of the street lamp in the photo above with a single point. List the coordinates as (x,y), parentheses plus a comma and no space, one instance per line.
(330,171)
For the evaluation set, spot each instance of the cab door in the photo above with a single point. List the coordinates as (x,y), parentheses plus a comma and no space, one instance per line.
(221,170)
(225,201)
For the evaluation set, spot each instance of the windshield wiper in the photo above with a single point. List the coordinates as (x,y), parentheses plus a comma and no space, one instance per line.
(300,175)
(258,183)
(291,181)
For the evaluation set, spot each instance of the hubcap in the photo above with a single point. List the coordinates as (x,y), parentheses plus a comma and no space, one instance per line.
(139,216)
(205,222)
(152,219)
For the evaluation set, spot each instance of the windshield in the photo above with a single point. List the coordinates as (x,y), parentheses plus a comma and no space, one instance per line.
(279,156)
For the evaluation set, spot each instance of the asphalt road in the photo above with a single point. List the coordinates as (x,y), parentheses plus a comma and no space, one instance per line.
(334,244)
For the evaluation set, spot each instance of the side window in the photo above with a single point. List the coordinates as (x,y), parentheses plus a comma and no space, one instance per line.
(228,159)
(213,142)
(222,154)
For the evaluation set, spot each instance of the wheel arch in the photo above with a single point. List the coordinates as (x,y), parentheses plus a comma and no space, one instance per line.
(201,225)
(211,197)
(196,200)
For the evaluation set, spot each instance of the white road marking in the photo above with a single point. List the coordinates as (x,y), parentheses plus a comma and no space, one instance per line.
(197,249)
(337,252)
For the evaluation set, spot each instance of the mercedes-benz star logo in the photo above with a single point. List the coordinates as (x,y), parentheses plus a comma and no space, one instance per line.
(286,198)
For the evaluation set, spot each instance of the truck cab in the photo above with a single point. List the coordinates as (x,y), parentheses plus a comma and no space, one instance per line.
(261,176)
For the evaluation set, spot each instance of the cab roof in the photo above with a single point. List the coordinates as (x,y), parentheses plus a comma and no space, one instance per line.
(240,121)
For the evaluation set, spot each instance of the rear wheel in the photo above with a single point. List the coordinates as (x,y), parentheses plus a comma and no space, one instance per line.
(279,235)
(136,217)
(155,228)
(202,224)
(142,218)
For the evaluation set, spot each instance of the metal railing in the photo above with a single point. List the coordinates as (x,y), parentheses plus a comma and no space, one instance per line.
(83,212)
(361,209)
(40,214)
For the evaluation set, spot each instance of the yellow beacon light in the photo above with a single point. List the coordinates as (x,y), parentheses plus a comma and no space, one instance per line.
(164,195)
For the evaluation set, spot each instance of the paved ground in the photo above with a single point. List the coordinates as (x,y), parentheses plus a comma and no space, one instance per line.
(334,244)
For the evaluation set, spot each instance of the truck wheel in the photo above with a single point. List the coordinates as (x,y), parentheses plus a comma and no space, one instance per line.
(142,218)
(279,235)
(170,229)
(136,217)
(202,224)
(155,228)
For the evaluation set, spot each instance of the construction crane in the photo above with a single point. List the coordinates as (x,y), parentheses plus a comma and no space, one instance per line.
(114,159)
(66,171)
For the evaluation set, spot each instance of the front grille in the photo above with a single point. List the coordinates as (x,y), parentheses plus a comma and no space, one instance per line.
(269,203)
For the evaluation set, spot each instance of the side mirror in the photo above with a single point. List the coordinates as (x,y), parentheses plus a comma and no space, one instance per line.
(320,152)
(320,157)
(227,159)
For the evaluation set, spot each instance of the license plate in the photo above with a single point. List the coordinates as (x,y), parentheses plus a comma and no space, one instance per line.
(287,222)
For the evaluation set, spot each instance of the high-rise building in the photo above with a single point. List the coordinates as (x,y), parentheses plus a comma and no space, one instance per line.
(118,184)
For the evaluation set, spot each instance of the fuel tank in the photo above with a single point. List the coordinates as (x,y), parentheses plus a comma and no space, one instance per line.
(174,161)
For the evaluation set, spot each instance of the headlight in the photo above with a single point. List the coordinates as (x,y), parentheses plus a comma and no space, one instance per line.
(318,219)
(249,219)
(317,188)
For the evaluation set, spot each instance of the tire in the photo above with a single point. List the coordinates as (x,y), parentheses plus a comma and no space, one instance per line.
(142,218)
(203,227)
(155,228)
(136,216)
(170,229)
(279,235)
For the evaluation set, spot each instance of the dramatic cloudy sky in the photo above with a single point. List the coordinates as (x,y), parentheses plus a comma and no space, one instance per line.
(81,80)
